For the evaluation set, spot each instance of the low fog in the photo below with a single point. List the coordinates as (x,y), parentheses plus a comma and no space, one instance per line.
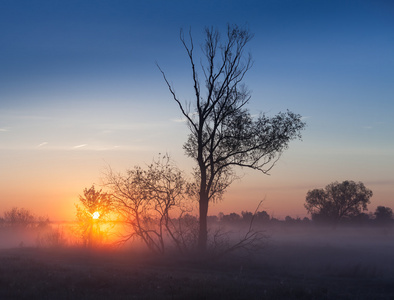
(286,262)
(316,247)
(281,245)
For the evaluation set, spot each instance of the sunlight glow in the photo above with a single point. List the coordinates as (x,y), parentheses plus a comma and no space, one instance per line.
(96,215)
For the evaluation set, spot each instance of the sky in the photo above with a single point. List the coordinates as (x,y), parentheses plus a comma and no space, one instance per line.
(80,92)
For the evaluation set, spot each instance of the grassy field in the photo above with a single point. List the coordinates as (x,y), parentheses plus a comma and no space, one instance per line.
(294,265)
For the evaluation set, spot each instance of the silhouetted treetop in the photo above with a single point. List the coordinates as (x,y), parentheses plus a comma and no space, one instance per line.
(338,200)
(383,215)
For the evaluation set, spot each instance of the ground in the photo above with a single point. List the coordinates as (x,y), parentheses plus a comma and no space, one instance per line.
(293,265)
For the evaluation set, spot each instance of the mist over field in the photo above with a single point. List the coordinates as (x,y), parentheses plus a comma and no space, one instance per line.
(294,262)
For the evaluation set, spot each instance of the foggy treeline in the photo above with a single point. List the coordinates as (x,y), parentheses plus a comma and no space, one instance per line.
(19,227)
(23,218)
(383,216)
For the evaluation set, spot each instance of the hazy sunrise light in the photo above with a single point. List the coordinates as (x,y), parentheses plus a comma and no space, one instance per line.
(97,91)
(183,127)
(96,215)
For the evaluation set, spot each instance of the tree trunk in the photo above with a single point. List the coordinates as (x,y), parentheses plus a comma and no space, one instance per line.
(203,233)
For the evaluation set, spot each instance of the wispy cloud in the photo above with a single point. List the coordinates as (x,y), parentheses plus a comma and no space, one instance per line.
(305,118)
(111,127)
(179,120)
(42,144)
(20,115)
(80,146)
(3,130)
(183,119)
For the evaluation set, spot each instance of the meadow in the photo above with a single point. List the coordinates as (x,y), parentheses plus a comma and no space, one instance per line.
(296,263)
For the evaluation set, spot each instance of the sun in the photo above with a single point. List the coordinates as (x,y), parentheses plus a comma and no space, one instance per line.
(96,215)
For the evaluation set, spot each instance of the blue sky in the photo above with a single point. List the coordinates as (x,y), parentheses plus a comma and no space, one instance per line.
(79,89)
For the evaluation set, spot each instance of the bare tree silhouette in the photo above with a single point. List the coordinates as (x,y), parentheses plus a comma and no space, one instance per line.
(223,134)
(148,199)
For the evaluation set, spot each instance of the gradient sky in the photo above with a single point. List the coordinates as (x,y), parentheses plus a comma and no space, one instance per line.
(79,90)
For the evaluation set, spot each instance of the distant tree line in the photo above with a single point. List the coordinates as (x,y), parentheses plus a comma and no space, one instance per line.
(23,219)
(382,216)
(154,206)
